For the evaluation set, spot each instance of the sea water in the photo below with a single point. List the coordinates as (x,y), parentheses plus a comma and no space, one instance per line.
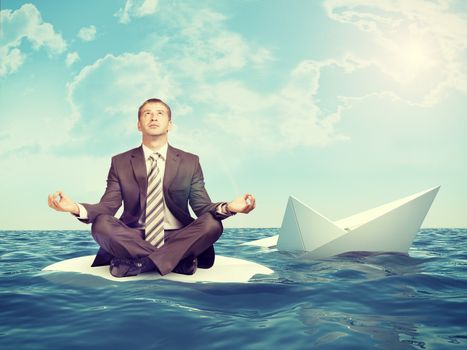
(351,301)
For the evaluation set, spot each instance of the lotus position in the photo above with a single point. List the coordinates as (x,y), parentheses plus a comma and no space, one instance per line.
(156,182)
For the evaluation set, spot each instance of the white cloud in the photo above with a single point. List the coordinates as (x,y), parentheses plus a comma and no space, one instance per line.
(271,122)
(71,58)
(105,97)
(204,46)
(10,60)
(136,8)
(87,33)
(25,23)
(419,44)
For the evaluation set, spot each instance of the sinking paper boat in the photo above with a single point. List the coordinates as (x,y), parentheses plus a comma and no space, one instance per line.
(390,228)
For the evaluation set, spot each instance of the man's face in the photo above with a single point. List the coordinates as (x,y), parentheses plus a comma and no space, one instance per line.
(154,120)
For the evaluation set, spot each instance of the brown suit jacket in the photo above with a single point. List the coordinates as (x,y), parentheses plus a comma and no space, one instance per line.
(183,184)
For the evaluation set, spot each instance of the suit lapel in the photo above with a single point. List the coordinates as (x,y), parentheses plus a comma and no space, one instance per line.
(138,164)
(171,167)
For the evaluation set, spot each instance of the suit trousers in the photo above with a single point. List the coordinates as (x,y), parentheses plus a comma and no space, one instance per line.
(192,241)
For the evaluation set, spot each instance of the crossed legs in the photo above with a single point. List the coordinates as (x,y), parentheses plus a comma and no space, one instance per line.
(189,242)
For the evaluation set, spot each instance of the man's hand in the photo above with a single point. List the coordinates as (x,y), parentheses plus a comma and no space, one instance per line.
(243,204)
(61,202)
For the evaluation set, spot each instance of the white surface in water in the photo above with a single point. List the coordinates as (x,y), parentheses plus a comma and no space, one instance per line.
(268,242)
(225,270)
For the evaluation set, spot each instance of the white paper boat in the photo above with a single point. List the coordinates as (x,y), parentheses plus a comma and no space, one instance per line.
(390,228)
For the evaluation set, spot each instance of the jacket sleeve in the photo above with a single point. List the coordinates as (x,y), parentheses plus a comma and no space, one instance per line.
(199,199)
(110,201)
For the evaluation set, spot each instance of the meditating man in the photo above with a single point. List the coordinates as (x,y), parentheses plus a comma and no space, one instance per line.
(156,182)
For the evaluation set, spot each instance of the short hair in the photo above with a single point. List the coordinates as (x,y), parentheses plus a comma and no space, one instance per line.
(155,100)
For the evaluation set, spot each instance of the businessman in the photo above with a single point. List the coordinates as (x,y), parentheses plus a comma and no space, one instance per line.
(155,182)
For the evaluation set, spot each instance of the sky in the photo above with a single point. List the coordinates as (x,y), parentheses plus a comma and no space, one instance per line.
(345,105)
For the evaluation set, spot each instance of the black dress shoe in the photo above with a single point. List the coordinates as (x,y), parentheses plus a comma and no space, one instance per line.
(125,267)
(206,258)
(148,265)
(186,266)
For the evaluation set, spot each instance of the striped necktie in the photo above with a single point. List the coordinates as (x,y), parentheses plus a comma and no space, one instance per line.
(154,227)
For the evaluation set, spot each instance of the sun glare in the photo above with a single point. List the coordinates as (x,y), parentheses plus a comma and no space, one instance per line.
(414,57)
(417,55)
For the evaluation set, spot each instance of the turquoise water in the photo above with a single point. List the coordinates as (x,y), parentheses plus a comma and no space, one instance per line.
(353,301)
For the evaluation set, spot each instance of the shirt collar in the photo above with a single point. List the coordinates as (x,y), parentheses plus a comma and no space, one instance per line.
(162,151)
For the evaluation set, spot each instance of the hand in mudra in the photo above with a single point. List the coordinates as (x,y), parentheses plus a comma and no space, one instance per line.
(61,202)
(243,204)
